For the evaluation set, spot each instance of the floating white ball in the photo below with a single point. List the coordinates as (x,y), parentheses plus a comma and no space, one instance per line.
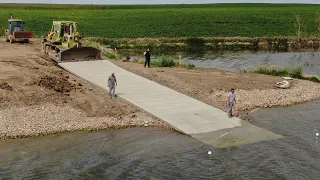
(317,134)
(209,152)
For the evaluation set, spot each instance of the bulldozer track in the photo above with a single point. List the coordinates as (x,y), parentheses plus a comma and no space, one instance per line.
(60,54)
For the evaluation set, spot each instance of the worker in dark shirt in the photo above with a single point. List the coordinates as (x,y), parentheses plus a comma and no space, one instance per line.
(147,56)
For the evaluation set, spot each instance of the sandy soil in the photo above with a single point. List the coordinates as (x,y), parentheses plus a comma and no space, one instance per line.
(37,97)
(211,86)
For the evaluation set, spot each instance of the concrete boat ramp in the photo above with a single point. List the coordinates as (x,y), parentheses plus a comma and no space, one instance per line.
(187,115)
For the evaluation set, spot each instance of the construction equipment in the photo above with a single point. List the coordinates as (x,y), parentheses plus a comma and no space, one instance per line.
(63,43)
(15,31)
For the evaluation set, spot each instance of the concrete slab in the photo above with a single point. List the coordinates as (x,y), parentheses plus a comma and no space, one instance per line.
(188,115)
(244,134)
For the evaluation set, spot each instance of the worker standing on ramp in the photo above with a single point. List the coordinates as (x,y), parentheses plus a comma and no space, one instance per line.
(112,83)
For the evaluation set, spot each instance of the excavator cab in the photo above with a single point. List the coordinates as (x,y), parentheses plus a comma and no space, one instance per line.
(64,43)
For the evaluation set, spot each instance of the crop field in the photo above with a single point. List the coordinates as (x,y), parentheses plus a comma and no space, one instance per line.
(220,20)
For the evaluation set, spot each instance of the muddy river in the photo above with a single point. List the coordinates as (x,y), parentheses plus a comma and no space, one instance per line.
(142,153)
(239,60)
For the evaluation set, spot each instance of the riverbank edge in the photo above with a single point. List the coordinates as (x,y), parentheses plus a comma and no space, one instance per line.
(88,130)
(242,114)
(279,43)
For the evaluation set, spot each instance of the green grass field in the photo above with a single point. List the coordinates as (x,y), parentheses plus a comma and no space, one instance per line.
(223,20)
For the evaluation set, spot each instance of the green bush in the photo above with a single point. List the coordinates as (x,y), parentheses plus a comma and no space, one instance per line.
(164,61)
(312,78)
(280,71)
(110,55)
(271,70)
(296,73)
(188,66)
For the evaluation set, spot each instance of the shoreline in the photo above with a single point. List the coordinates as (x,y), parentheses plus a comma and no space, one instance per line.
(280,43)
(42,120)
(212,85)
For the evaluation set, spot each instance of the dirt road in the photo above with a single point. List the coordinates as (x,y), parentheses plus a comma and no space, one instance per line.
(37,97)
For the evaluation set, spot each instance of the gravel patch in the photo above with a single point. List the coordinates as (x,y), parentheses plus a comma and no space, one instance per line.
(302,91)
(51,119)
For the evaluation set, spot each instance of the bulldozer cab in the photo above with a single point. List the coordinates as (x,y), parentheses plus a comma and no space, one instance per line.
(55,32)
(63,30)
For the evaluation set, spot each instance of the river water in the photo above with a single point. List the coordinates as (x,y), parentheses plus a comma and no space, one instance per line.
(239,60)
(142,153)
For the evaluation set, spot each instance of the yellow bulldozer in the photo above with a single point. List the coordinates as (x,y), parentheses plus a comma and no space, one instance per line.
(15,31)
(64,43)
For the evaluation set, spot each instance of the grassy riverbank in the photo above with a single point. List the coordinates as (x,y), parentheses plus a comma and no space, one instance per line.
(134,21)
(197,44)
(281,71)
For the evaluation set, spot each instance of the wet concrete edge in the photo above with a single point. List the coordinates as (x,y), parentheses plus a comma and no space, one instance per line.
(241,135)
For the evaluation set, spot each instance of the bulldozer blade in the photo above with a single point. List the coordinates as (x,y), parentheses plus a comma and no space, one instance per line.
(81,54)
(23,35)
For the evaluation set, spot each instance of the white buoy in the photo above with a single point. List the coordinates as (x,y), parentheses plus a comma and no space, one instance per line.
(209,152)
(317,134)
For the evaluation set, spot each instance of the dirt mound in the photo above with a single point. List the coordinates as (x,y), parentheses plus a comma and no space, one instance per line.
(43,60)
(58,84)
(6,86)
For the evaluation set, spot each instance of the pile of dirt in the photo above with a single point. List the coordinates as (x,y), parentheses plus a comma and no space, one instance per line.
(58,84)
(6,86)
